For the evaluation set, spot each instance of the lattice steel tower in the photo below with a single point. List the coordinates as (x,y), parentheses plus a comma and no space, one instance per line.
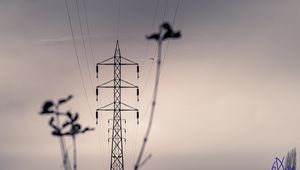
(117,106)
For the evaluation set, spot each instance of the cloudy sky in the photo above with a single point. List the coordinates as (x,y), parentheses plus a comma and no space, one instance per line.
(229,91)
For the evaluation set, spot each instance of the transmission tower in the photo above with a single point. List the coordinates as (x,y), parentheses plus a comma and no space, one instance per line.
(117,106)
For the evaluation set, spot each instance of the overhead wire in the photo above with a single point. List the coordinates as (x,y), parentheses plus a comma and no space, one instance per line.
(135,140)
(147,75)
(77,56)
(118,25)
(88,31)
(118,19)
(147,79)
(149,127)
(162,20)
(152,25)
(83,42)
(166,6)
(133,148)
(173,23)
(176,10)
(145,85)
(134,137)
(138,164)
(147,50)
(100,142)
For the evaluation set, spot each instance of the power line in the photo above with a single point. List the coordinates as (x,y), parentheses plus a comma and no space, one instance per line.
(80,70)
(136,133)
(166,6)
(147,50)
(152,25)
(77,56)
(118,19)
(159,39)
(148,76)
(164,57)
(100,142)
(83,41)
(139,161)
(178,2)
(164,14)
(151,66)
(88,31)
(173,23)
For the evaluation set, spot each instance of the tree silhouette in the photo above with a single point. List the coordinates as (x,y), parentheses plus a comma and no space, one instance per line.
(70,127)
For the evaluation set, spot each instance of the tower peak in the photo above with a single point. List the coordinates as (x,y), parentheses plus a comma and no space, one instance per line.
(117,49)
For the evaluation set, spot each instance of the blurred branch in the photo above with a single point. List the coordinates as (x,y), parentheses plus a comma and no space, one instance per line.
(165,32)
(71,124)
(50,108)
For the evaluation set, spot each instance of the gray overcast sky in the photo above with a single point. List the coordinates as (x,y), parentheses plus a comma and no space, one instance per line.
(229,91)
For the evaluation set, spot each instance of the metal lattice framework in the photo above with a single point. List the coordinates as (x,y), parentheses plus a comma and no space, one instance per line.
(117,106)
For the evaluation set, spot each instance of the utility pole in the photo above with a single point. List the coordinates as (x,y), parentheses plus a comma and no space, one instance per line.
(117,106)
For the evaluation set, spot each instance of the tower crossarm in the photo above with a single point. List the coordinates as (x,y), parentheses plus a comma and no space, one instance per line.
(109,62)
(108,85)
(106,108)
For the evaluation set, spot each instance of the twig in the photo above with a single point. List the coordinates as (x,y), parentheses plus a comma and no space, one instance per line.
(159,37)
(158,68)
(65,153)
(74,153)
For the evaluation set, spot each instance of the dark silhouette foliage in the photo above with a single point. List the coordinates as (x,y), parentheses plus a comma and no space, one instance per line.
(47,108)
(165,31)
(70,127)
